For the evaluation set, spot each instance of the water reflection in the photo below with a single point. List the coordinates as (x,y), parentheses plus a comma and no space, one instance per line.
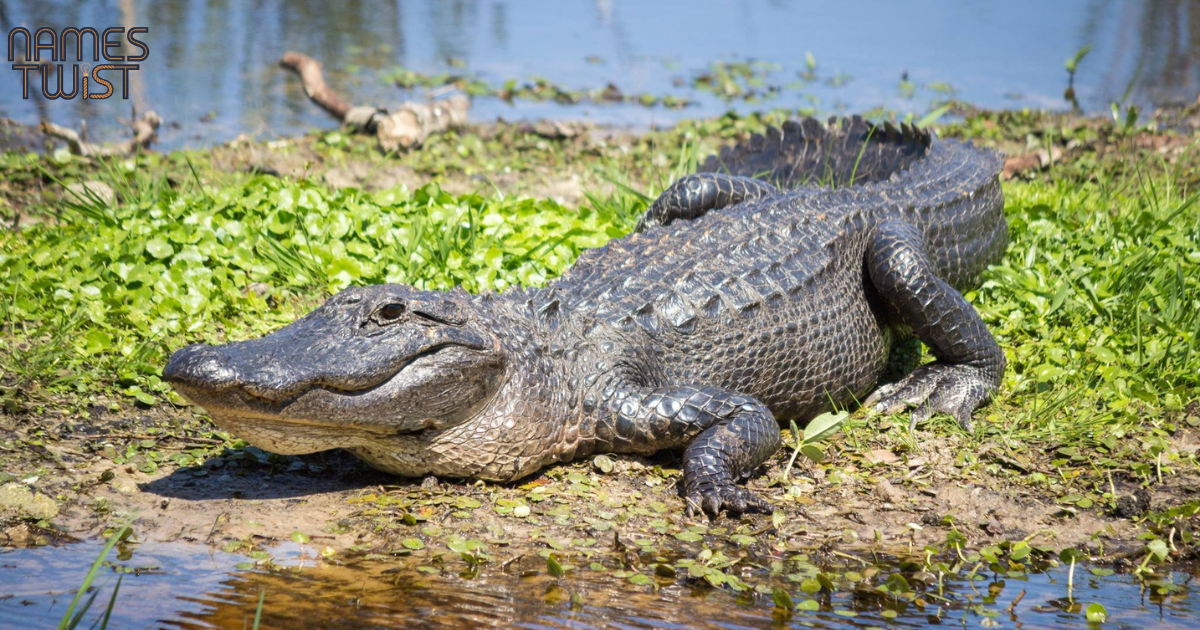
(1155,49)
(216,59)
(180,585)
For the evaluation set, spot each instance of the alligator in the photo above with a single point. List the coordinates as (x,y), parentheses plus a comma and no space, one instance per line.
(770,284)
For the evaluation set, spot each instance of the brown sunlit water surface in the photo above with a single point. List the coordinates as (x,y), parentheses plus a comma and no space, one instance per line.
(185,585)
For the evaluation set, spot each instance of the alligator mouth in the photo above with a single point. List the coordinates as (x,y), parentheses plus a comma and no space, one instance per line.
(349,392)
(241,404)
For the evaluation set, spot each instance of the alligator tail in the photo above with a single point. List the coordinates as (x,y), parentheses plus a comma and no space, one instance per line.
(807,153)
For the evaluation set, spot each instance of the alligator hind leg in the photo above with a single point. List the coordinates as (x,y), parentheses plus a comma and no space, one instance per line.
(727,435)
(696,194)
(969,361)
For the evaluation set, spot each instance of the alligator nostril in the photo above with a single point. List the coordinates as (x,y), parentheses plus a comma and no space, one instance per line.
(199,364)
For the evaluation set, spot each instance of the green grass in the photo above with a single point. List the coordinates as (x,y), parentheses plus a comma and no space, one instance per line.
(1097,305)
(97,301)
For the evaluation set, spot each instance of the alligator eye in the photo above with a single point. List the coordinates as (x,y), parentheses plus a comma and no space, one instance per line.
(388,313)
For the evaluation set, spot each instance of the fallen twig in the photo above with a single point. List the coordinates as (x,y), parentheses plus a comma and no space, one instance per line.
(144,129)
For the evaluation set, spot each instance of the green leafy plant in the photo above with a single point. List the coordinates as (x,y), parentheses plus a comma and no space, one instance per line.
(1125,117)
(1069,557)
(1072,64)
(807,442)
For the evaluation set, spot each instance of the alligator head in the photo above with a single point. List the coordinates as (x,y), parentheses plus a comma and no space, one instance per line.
(371,362)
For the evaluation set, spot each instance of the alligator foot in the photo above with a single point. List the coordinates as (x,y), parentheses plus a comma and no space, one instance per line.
(727,434)
(969,364)
(714,498)
(957,390)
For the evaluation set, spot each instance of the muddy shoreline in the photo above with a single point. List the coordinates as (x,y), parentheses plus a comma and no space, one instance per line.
(881,496)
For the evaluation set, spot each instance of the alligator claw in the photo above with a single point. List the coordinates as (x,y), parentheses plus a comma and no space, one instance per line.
(733,500)
(956,390)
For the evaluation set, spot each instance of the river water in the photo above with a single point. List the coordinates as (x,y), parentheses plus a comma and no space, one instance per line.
(181,585)
(212,69)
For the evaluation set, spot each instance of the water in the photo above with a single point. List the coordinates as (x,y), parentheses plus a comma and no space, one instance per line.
(181,585)
(217,60)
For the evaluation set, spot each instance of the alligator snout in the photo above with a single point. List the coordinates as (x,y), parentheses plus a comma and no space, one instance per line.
(200,365)
(212,370)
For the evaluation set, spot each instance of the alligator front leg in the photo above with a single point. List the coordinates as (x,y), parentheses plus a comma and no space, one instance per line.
(969,361)
(696,194)
(727,436)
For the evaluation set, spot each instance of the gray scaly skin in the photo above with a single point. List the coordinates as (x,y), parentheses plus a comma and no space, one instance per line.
(752,291)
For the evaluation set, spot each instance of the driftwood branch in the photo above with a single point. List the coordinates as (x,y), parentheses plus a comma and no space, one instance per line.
(408,125)
(309,70)
(403,127)
(144,129)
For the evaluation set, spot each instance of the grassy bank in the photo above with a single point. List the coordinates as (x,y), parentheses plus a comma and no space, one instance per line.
(1097,303)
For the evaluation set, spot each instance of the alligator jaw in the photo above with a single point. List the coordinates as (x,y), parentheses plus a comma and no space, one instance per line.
(291,438)
(333,413)
(267,424)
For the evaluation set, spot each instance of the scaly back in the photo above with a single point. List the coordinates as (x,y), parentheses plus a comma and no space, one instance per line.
(946,188)
(807,153)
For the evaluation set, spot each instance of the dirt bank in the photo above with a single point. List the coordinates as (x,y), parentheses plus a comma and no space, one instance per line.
(180,479)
